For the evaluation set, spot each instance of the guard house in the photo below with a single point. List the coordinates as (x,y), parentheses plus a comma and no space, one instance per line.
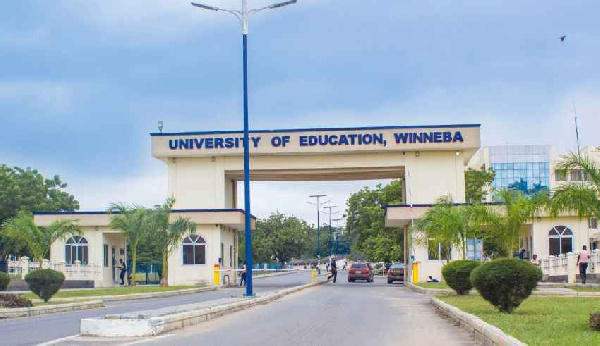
(93,256)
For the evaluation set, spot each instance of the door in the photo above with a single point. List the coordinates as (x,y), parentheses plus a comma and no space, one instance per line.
(114,264)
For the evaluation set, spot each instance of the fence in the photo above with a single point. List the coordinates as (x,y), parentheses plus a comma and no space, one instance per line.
(564,267)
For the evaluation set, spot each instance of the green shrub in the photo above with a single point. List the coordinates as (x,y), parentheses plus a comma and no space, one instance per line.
(506,283)
(457,275)
(45,282)
(14,301)
(4,280)
(595,321)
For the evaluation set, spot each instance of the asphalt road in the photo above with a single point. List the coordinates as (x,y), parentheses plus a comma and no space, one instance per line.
(40,329)
(333,314)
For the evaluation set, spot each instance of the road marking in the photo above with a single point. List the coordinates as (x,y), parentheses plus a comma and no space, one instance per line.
(56,341)
(147,340)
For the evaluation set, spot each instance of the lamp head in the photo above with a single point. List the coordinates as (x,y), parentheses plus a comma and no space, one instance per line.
(160,126)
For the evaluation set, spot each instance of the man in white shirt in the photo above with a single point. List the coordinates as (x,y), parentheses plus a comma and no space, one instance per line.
(582,260)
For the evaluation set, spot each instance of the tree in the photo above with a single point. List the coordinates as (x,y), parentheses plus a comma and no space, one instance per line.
(366,222)
(449,224)
(38,239)
(27,190)
(582,197)
(504,223)
(134,222)
(476,183)
(167,234)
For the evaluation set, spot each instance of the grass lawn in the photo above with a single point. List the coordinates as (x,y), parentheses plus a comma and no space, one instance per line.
(115,291)
(432,284)
(586,288)
(539,320)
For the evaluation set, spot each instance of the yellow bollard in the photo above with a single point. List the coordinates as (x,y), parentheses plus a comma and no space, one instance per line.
(415,273)
(313,275)
(217,275)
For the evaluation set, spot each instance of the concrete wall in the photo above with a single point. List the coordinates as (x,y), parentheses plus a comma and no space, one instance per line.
(180,274)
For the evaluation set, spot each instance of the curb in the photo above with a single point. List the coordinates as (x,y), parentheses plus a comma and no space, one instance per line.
(433,291)
(50,309)
(444,291)
(479,329)
(135,296)
(137,327)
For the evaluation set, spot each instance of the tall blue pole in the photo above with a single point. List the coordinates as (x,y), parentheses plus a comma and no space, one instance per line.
(248,218)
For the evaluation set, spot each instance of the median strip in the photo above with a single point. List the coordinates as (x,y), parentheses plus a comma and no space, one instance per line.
(155,322)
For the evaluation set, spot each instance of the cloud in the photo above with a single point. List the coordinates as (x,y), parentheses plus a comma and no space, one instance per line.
(150,21)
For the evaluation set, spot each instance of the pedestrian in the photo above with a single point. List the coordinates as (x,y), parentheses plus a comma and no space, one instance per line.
(535,261)
(486,258)
(582,260)
(522,254)
(345,265)
(123,268)
(334,269)
(243,279)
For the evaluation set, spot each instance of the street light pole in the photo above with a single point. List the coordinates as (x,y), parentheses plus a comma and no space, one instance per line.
(243,16)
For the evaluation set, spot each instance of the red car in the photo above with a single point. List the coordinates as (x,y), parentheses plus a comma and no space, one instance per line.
(361,271)
(395,273)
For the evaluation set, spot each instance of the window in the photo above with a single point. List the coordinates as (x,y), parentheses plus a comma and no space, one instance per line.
(560,240)
(194,250)
(579,175)
(105,252)
(76,249)
(438,251)
(560,174)
(593,223)
(474,249)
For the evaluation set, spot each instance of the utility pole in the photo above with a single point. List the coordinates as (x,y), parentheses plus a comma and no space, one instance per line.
(318,197)
(330,233)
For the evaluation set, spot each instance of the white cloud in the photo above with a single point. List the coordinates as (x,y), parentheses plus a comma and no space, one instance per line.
(97,192)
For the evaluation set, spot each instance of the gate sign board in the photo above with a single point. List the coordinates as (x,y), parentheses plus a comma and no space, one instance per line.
(314,141)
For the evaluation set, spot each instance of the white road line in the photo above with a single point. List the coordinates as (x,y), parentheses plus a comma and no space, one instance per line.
(56,341)
(147,339)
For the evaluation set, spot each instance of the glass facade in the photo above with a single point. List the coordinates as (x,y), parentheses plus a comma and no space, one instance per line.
(521,167)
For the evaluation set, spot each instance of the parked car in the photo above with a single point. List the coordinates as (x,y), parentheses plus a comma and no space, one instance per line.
(361,271)
(395,273)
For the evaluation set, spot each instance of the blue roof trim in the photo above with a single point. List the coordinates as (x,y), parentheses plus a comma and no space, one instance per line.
(314,129)
(432,204)
(173,210)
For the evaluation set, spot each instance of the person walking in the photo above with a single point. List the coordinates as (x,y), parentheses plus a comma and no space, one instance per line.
(123,268)
(243,279)
(582,260)
(522,254)
(334,269)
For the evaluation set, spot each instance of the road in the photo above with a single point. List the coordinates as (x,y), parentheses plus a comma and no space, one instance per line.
(39,329)
(332,314)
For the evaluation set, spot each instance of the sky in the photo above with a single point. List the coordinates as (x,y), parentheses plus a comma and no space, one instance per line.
(83,83)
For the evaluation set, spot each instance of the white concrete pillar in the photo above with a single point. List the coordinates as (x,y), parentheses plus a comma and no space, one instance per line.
(46,264)
(571,267)
(24,266)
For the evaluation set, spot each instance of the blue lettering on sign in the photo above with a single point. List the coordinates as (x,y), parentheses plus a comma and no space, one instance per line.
(373,139)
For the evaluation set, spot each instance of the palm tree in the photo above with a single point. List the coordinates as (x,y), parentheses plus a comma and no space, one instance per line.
(450,224)
(504,223)
(39,239)
(582,197)
(168,234)
(134,222)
